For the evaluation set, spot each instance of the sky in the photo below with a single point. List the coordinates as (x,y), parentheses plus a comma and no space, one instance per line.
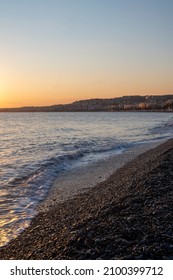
(59,51)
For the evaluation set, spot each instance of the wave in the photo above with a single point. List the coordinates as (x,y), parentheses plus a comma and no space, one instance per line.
(163,128)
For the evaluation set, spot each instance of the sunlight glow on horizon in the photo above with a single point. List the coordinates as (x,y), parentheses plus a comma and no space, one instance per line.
(55,52)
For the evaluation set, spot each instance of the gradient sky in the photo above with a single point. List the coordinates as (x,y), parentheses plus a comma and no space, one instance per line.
(58,51)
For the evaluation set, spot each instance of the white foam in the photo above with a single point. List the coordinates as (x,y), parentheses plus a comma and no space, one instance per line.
(80,179)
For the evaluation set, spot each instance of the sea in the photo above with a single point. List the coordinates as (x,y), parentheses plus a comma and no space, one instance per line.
(36,147)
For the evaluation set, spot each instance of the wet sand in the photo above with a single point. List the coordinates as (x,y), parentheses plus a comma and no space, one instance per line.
(81,179)
(126,216)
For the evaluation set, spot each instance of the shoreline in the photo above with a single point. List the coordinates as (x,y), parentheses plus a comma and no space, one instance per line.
(80,179)
(80,227)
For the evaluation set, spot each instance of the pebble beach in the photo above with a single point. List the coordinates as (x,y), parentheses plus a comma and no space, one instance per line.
(127,215)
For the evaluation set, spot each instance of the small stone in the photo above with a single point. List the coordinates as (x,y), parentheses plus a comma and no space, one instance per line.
(90,234)
(97,240)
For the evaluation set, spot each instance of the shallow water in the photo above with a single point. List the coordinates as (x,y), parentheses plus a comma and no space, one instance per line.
(36,147)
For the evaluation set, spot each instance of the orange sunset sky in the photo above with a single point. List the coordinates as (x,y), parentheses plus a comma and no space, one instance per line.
(55,52)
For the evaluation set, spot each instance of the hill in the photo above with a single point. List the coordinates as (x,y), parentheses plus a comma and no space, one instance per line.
(124,103)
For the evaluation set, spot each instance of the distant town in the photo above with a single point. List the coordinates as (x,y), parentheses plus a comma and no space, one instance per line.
(125,103)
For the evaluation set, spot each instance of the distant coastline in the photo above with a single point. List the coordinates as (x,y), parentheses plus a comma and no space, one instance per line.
(147,103)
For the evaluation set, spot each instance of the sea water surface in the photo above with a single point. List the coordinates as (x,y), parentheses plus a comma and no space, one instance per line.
(36,147)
